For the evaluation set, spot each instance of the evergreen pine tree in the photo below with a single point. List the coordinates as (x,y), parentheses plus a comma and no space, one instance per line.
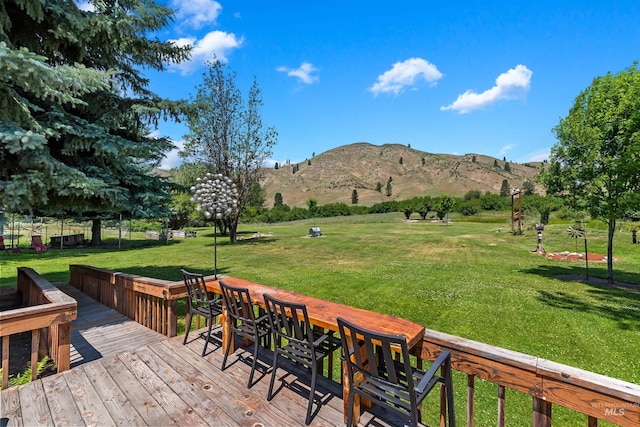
(84,116)
(505,190)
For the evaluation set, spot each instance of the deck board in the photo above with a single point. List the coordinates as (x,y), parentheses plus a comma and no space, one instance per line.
(10,402)
(119,407)
(91,408)
(33,405)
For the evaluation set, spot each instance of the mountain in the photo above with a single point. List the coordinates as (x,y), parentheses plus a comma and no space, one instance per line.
(333,175)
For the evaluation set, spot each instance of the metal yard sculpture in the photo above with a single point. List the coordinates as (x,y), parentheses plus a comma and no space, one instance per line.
(578,232)
(217,196)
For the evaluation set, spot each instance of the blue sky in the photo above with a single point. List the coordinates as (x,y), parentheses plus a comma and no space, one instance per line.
(490,77)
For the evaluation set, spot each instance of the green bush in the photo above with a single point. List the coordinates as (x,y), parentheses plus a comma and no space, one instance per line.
(25,377)
(146,225)
(470,207)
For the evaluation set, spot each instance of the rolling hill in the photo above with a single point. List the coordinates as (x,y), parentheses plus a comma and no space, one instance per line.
(333,175)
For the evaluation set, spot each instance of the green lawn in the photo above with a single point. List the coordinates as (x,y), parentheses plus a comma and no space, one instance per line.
(466,279)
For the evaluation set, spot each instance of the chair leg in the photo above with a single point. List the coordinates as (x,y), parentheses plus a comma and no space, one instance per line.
(207,338)
(350,406)
(253,362)
(449,387)
(314,374)
(273,375)
(226,352)
(186,332)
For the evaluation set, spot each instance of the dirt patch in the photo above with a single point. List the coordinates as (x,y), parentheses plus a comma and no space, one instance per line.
(594,257)
(575,256)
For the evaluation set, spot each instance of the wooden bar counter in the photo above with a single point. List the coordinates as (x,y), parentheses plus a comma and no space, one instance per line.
(323,314)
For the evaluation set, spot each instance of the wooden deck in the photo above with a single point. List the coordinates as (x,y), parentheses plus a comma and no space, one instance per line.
(166,383)
(101,332)
(124,375)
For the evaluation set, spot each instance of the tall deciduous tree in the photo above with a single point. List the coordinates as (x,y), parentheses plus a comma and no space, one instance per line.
(444,205)
(70,145)
(595,164)
(227,133)
(528,187)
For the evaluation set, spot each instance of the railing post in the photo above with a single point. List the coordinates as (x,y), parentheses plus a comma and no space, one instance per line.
(5,361)
(35,346)
(172,318)
(541,413)
(501,406)
(470,399)
(63,360)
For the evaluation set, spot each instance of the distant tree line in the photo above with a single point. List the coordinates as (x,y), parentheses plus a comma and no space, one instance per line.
(537,208)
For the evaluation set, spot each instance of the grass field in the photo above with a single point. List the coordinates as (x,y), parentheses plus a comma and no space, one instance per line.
(466,279)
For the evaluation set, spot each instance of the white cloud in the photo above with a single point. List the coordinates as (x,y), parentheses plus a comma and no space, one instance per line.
(404,74)
(215,44)
(540,155)
(172,159)
(304,73)
(510,85)
(196,13)
(504,150)
(85,6)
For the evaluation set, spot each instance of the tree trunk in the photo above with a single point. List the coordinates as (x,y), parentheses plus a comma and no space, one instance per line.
(233,229)
(612,232)
(96,232)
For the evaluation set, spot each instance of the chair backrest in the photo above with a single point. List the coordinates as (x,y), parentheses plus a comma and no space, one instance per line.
(238,302)
(363,350)
(36,241)
(197,294)
(292,329)
(360,346)
(2,242)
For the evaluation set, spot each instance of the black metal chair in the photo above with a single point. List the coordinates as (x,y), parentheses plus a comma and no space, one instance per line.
(200,303)
(297,340)
(242,321)
(388,382)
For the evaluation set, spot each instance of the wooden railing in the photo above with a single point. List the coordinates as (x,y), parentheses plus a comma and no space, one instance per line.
(153,303)
(47,312)
(548,383)
(150,302)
